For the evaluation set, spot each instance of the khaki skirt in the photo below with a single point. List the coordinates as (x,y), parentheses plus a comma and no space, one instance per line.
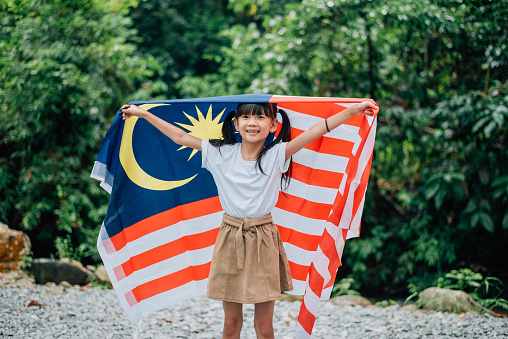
(249,264)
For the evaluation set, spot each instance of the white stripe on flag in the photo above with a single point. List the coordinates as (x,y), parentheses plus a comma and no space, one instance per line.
(332,229)
(354,229)
(299,289)
(347,104)
(169,266)
(343,184)
(322,161)
(346,218)
(325,295)
(319,194)
(366,152)
(298,255)
(300,332)
(298,222)
(171,297)
(311,301)
(321,262)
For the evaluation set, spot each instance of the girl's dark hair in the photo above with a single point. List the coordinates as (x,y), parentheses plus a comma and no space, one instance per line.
(270,110)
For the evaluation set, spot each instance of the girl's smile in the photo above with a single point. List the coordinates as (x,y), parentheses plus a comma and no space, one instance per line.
(255,128)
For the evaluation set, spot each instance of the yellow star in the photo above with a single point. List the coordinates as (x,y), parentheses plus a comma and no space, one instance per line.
(203,128)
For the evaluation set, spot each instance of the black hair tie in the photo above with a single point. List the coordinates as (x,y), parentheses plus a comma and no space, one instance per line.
(326,124)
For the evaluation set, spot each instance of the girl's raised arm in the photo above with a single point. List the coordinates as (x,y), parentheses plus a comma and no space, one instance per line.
(176,134)
(322,127)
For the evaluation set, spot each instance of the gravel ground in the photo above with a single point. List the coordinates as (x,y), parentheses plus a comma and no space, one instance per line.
(95,313)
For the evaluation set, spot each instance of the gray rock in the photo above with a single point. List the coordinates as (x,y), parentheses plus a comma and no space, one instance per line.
(102,275)
(50,270)
(65,284)
(445,300)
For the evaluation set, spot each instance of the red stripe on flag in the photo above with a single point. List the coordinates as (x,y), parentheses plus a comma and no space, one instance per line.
(297,205)
(316,177)
(298,272)
(316,281)
(171,281)
(320,109)
(165,219)
(302,240)
(351,170)
(335,259)
(313,100)
(326,145)
(356,120)
(169,250)
(306,319)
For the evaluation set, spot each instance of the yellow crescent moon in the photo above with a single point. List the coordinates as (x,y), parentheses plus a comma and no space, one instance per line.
(131,166)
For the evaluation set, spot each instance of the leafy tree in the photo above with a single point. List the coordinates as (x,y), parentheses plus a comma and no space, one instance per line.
(65,68)
(183,36)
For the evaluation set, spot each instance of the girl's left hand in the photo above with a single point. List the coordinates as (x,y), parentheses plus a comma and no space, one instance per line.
(365,108)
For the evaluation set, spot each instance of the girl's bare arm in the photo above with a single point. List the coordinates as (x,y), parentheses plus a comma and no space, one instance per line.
(319,129)
(176,134)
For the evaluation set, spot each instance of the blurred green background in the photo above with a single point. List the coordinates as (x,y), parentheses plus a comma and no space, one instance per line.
(438,193)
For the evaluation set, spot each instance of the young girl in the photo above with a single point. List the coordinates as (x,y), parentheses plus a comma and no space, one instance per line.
(249,265)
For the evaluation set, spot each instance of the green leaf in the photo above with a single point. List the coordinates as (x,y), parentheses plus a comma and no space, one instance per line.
(458,193)
(501,181)
(486,221)
(505,221)
(447,177)
(479,124)
(431,191)
(458,176)
(440,198)
(474,219)
(470,207)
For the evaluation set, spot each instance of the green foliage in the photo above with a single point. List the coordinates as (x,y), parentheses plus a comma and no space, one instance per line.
(25,259)
(414,291)
(66,67)
(183,36)
(66,250)
(484,290)
(438,192)
(463,280)
(344,287)
(386,303)
(97,284)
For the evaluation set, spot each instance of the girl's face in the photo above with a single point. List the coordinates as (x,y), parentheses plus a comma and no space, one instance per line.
(255,128)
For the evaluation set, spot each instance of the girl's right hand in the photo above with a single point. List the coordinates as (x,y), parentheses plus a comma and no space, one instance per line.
(131,110)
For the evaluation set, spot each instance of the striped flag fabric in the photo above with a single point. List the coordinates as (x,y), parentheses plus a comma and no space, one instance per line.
(164,213)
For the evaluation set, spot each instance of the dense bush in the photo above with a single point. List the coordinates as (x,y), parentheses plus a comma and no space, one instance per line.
(65,69)
(438,197)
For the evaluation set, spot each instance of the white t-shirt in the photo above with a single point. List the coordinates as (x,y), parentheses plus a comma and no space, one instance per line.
(244,191)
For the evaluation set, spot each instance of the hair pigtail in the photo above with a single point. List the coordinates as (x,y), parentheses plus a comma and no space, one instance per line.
(228,132)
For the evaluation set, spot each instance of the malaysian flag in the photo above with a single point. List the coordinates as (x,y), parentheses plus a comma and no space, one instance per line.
(157,239)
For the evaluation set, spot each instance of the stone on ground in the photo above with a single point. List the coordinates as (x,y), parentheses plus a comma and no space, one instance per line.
(445,300)
(12,243)
(51,270)
(102,275)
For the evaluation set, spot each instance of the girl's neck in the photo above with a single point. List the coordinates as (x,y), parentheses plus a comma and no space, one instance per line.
(250,151)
